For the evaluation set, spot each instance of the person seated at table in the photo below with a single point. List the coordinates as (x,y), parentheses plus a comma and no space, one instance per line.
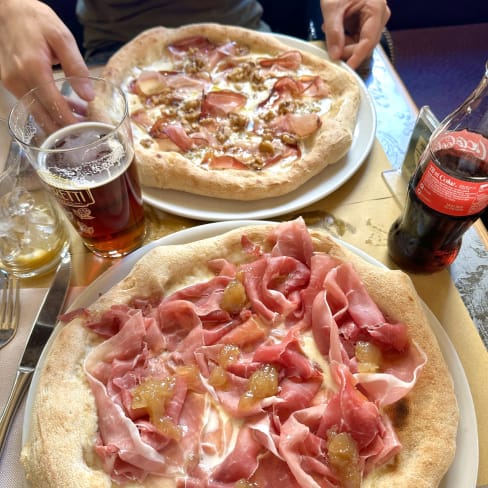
(33,38)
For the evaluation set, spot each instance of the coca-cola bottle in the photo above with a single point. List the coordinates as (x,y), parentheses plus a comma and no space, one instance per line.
(448,191)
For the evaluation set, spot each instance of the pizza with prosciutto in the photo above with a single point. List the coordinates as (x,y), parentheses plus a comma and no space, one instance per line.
(232,113)
(265,357)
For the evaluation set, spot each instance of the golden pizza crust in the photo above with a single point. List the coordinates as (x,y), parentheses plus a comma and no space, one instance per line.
(59,451)
(171,170)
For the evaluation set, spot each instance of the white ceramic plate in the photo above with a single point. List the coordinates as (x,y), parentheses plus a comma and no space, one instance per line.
(464,469)
(330,179)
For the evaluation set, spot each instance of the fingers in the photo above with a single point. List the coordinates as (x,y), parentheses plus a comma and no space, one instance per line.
(33,39)
(48,105)
(57,111)
(20,80)
(369,37)
(39,113)
(356,54)
(363,20)
(333,27)
(29,49)
(73,64)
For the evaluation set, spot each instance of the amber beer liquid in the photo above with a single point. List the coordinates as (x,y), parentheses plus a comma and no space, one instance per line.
(95,180)
(447,193)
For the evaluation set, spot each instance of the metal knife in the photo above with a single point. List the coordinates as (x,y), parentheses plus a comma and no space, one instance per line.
(41,331)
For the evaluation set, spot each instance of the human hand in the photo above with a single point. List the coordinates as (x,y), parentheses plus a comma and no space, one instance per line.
(33,39)
(353,28)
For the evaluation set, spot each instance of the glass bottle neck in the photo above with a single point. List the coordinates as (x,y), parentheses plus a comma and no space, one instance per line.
(472,114)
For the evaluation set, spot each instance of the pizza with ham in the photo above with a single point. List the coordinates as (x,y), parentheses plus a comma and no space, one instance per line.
(231,113)
(265,357)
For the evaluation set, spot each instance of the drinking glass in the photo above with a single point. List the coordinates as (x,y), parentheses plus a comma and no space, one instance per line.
(32,234)
(76,132)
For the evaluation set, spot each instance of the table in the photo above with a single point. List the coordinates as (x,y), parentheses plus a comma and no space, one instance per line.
(360,213)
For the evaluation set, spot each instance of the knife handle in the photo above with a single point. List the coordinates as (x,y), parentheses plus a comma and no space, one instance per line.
(21,384)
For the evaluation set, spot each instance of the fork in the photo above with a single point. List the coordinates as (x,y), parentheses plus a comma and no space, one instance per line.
(9,308)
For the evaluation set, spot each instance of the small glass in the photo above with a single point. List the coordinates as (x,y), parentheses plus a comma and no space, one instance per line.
(77,134)
(32,235)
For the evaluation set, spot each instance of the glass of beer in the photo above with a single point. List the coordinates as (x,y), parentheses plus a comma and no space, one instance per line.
(77,134)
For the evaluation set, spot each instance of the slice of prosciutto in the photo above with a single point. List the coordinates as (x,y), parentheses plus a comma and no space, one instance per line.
(302,125)
(150,83)
(199,44)
(222,102)
(291,60)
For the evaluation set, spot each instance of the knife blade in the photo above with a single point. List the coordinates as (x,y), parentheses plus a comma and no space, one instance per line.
(44,324)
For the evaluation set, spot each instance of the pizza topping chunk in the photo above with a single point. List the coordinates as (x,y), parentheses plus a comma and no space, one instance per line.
(368,357)
(287,88)
(153,395)
(234,297)
(178,135)
(263,383)
(285,349)
(221,103)
(302,125)
(290,60)
(344,459)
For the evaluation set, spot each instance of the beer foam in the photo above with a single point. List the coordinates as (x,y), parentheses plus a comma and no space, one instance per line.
(82,156)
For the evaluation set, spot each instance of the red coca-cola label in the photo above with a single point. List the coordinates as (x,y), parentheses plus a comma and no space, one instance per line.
(446,193)
(451,196)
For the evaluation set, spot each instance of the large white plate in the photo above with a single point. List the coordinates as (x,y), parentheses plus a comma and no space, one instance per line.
(464,469)
(330,179)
